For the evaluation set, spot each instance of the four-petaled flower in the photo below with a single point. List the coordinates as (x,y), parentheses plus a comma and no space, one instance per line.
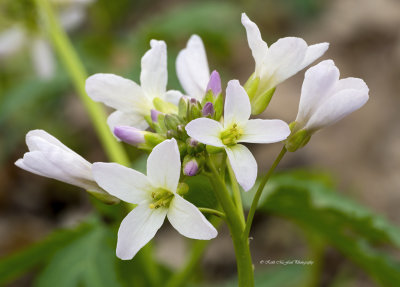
(325,99)
(281,60)
(49,157)
(235,129)
(131,101)
(157,198)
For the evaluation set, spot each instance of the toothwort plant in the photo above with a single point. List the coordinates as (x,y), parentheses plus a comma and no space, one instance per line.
(198,132)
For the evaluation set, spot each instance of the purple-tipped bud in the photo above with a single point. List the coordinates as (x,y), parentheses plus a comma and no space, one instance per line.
(191,168)
(129,135)
(192,142)
(154,115)
(208,109)
(215,83)
(193,101)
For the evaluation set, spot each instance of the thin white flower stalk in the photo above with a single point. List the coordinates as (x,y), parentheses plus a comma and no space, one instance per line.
(133,103)
(325,100)
(237,128)
(15,38)
(156,196)
(48,157)
(192,68)
(276,63)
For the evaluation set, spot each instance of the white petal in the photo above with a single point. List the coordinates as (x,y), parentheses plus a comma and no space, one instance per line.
(131,119)
(284,59)
(138,228)
(319,81)
(58,164)
(237,104)
(153,77)
(352,84)
(188,220)
(336,107)
(43,58)
(122,182)
(117,92)
(21,164)
(33,143)
(192,68)
(38,140)
(243,164)
(206,131)
(173,97)
(164,165)
(11,40)
(258,47)
(265,131)
(314,52)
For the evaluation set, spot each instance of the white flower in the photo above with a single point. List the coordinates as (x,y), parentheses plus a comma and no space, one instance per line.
(238,128)
(156,197)
(11,41)
(325,99)
(283,59)
(71,14)
(192,68)
(131,101)
(48,157)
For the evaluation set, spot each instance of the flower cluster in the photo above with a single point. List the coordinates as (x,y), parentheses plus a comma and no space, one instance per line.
(184,130)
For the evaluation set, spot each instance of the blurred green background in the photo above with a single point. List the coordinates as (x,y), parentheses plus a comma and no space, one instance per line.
(328,214)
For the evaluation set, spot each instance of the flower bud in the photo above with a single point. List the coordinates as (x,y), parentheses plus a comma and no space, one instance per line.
(208,110)
(214,84)
(172,121)
(130,135)
(141,139)
(192,142)
(193,146)
(195,109)
(154,115)
(183,107)
(191,168)
(218,107)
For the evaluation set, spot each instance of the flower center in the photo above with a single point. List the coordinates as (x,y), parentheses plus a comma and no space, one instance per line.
(161,198)
(231,135)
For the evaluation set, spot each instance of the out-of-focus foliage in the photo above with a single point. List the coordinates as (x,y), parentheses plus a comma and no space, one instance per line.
(309,200)
(15,265)
(306,198)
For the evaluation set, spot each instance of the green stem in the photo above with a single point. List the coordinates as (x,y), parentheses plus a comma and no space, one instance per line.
(236,193)
(241,245)
(317,251)
(223,165)
(212,211)
(260,189)
(76,71)
(180,278)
